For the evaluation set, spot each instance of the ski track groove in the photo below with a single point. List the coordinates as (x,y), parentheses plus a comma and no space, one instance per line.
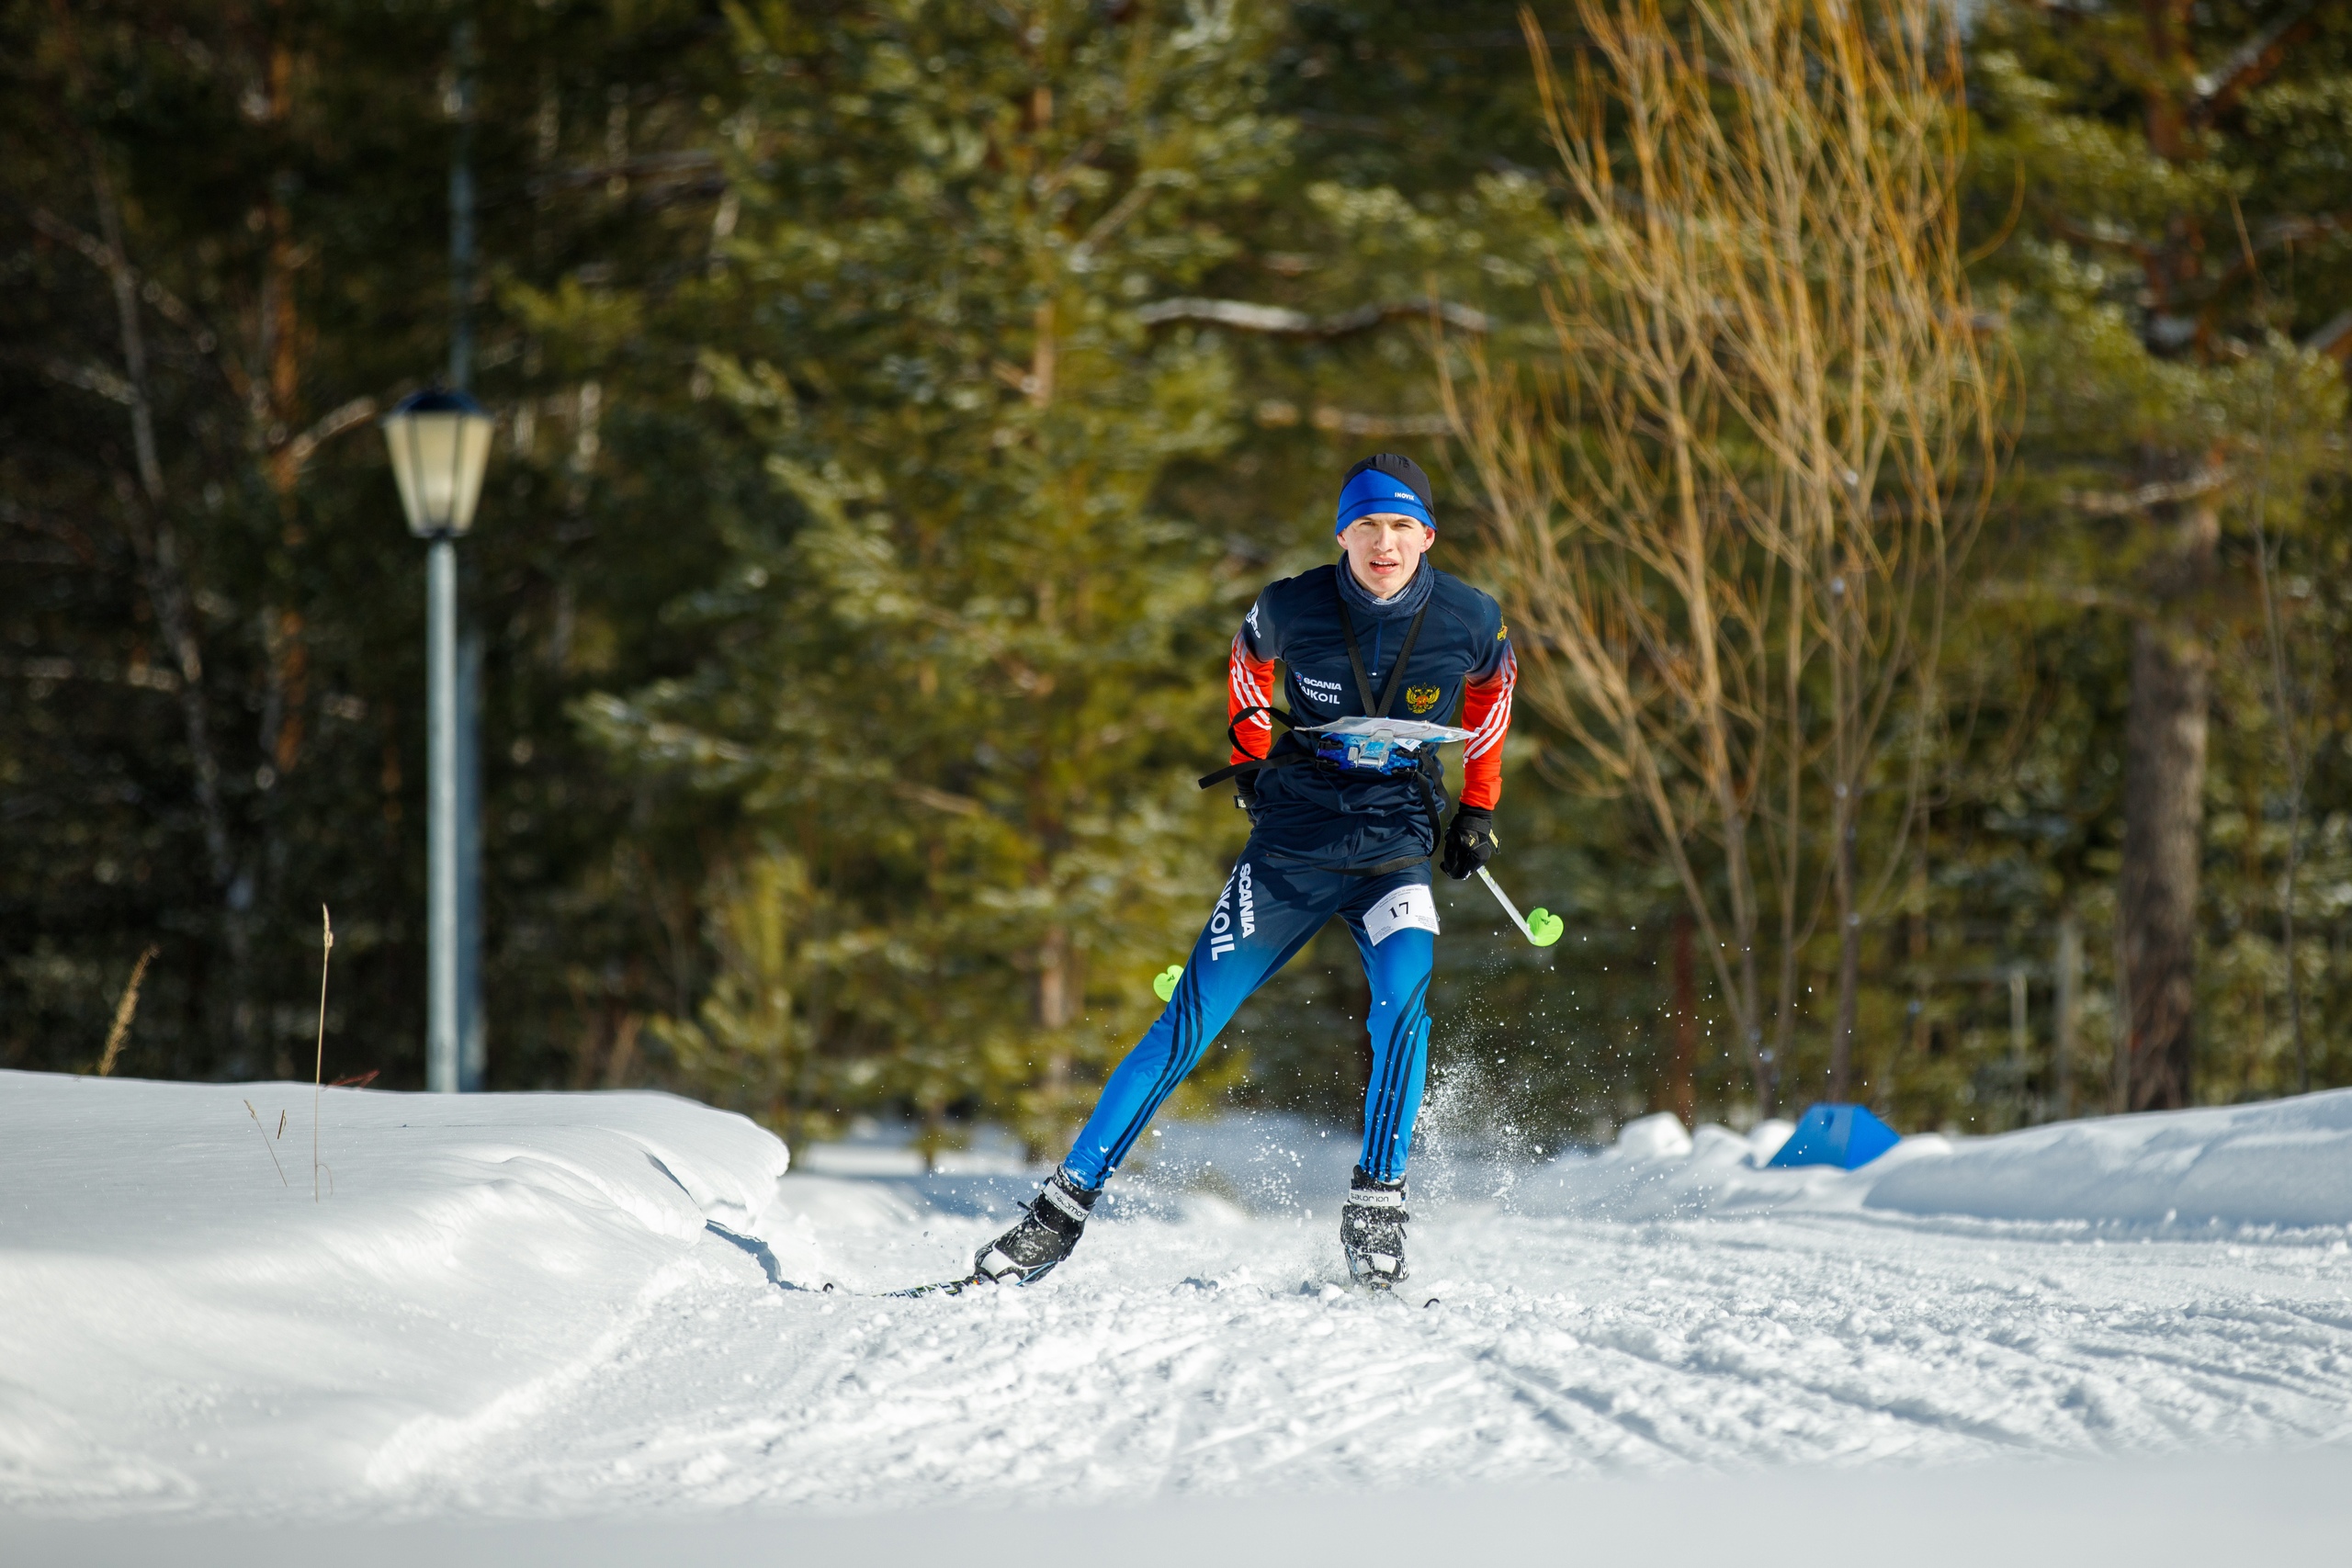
(1554,1348)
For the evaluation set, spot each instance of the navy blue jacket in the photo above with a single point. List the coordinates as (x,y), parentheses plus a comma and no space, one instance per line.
(1462,661)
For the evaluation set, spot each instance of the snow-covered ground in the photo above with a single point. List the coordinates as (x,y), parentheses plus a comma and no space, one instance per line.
(546,1308)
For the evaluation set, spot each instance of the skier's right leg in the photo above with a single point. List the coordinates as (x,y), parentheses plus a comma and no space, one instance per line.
(1264,915)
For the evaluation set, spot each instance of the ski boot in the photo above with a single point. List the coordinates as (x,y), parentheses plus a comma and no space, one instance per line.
(1048,1233)
(1371,1231)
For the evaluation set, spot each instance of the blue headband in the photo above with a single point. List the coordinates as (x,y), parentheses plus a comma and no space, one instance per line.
(1372,491)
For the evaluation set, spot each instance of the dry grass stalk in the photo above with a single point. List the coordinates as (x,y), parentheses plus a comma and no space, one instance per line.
(1727,515)
(265,1140)
(125,1009)
(319,1070)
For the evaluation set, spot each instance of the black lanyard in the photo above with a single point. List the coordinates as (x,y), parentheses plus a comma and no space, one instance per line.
(1355,654)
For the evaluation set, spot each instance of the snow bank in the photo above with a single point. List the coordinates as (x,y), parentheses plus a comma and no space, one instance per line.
(162,1259)
(1658,1172)
(2283,1163)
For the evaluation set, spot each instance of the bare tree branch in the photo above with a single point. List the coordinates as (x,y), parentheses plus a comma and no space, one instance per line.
(1280,322)
(2335,339)
(2250,63)
(359,411)
(2129,502)
(93,378)
(1726,521)
(169,306)
(938,799)
(145,504)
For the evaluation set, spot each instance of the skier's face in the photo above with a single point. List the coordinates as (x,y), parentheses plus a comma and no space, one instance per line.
(1384,549)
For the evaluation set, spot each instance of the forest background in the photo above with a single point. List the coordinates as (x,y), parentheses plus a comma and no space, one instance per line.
(898,405)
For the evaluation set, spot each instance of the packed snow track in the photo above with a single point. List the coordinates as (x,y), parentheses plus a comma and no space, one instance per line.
(550,1307)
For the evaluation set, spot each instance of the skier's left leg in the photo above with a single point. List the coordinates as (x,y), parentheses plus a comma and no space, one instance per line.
(1396,937)
(1395,932)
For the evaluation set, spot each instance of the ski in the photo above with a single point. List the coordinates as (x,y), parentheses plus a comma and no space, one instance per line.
(939,1287)
(944,1288)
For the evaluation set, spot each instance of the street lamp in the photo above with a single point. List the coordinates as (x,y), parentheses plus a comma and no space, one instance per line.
(440,444)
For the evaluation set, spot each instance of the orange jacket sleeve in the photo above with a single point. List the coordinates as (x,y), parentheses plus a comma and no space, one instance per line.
(1486,713)
(1251,684)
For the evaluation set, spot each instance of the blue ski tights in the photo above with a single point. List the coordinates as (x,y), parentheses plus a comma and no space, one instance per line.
(1267,912)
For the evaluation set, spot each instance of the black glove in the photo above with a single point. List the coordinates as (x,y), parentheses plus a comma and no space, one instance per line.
(1470,843)
(1245,794)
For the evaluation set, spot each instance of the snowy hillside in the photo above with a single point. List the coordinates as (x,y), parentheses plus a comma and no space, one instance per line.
(550,1307)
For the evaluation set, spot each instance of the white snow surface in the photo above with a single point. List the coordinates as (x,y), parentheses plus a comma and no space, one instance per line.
(182,1327)
(543,1308)
(2278,1164)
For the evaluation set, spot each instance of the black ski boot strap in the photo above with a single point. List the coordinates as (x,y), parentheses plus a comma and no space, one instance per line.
(1366,1191)
(1063,1204)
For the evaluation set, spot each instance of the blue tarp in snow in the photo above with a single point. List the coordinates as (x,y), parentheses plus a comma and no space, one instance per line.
(1843,1135)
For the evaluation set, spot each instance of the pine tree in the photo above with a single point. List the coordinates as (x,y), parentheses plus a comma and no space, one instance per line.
(227,232)
(970,660)
(2163,168)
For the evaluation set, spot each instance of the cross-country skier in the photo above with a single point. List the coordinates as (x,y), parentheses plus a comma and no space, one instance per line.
(1332,832)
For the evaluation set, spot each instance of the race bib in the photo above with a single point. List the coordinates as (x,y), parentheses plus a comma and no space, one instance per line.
(1408,908)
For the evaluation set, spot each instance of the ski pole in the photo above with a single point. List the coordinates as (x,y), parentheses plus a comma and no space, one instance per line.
(1542,927)
(1539,926)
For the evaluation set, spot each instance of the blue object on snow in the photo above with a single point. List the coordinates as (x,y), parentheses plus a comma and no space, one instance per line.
(1847,1136)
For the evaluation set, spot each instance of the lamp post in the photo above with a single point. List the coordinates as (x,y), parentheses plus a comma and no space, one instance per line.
(440,444)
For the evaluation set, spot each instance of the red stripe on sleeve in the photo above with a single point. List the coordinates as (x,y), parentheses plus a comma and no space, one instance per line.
(1486,713)
(1251,683)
